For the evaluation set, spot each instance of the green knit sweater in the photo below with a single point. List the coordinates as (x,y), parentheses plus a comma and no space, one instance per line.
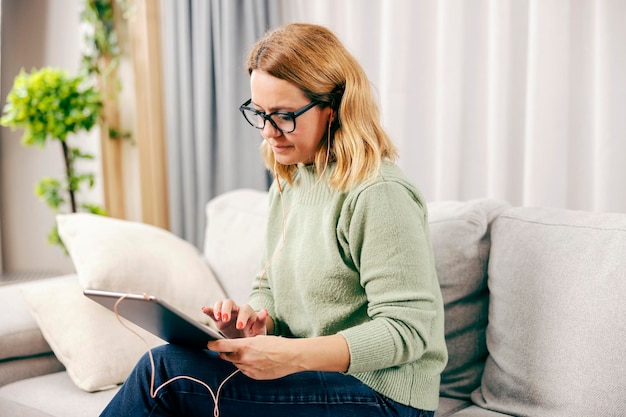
(359,263)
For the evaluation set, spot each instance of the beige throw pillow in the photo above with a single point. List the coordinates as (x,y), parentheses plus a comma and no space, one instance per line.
(125,256)
(121,256)
(97,351)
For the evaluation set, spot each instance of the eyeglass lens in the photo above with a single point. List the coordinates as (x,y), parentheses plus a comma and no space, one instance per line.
(284,122)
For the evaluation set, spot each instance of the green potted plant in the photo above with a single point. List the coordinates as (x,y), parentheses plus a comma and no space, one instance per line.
(50,104)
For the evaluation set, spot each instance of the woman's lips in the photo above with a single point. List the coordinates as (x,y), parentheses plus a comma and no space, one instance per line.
(281,148)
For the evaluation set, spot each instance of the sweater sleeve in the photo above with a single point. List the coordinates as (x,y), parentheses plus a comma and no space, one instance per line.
(385,231)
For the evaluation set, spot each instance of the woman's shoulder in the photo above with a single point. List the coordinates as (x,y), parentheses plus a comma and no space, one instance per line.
(390,171)
(389,175)
(389,179)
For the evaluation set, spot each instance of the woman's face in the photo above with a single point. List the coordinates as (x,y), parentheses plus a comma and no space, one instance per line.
(270,94)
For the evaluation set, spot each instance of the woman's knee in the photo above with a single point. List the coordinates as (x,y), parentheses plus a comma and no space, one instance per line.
(173,359)
(161,356)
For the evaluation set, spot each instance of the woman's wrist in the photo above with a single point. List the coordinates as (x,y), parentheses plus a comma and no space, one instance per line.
(324,353)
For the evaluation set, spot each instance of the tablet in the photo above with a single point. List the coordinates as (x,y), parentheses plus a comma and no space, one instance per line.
(158,317)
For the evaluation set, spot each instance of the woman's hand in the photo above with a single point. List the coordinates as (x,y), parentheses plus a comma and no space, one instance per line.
(237,321)
(262,357)
(271,357)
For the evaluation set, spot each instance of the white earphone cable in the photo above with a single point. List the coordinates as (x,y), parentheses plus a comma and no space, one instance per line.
(153,391)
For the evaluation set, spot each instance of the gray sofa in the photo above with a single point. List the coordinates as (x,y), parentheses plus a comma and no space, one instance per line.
(534,302)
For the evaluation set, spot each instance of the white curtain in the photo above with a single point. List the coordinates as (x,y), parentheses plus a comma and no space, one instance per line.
(521,100)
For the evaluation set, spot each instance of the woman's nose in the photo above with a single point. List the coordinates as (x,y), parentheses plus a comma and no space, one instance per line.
(269,131)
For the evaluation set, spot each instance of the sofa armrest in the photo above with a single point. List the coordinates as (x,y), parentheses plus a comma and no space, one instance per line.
(23,350)
(19,333)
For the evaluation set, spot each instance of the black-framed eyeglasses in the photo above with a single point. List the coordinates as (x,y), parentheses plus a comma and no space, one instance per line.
(285,121)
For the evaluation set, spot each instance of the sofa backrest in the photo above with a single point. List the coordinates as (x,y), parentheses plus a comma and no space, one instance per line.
(234,239)
(460,234)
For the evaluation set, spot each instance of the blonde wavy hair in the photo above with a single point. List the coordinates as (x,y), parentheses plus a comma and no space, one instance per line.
(312,58)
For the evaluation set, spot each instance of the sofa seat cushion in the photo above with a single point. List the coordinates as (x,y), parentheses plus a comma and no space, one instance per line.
(460,234)
(449,406)
(10,408)
(475,411)
(557,319)
(52,395)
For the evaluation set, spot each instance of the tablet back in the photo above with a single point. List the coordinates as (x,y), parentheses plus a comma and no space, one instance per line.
(157,317)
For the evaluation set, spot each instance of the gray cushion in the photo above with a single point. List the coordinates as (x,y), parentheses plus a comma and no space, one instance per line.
(20,368)
(461,242)
(557,320)
(20,335)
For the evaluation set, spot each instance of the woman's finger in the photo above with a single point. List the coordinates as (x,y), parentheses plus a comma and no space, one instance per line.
(209,312)
(217,310)
(228,310)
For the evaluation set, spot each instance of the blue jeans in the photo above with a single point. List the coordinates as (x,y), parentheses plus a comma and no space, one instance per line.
(305,394)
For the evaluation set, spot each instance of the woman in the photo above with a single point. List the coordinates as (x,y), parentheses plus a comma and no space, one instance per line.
(349,279)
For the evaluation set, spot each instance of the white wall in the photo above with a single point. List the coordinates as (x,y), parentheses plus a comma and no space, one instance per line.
(36,33)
